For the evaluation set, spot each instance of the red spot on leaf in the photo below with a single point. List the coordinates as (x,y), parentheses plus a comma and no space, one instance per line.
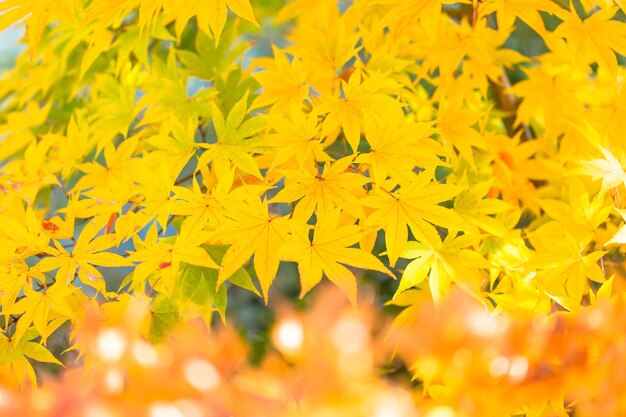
(49,226)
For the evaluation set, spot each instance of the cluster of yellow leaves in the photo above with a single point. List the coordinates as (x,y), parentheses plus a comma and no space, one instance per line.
(147,152)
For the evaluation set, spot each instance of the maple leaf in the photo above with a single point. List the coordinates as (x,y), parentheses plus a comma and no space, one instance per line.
(401,13)
(15,351)
(68,156)
(593,39)
(397,146)
(233,143)
(296,140)
(327,252)
(609,117)
(176,140)
(444,263)
(515,164)
(284,82)
(89,250)
(17,130)
(583,215)
(564,267)
(202,208)
(609,169)
(475,46)
(526,10)
(508,256)
(112,104)
(211,15)
(362,100)
(97,207)
(22,235)
(476,210)
(114,175)
(455,125)
(32,172)
(214,14)
(250,229)
(13,279)
(166,97)
(323,192)
(163,256)
(163,315)
(38,308)
(325,46)
(198,292)
(548,93)
(155,180)
(415,205)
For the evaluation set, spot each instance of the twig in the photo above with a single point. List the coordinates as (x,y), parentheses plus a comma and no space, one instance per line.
(153,287)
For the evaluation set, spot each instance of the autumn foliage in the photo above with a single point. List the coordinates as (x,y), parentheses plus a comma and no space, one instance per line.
(172,171)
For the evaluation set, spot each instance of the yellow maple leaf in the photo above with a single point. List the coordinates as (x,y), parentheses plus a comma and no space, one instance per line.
(609,169)
(593,39)
(548,95)
(321,193)
(114,176)
(397,146)
(89,251)
(162,256)
(295,140)
(37,308)
(284,82)
(582,215)
(362,100)
(203,205)
(563,266)
(22,235)
(213,13)
(444,263)
(250,229)
(416,205)
(234,142)
(455,124)
(526,10)
(327,252)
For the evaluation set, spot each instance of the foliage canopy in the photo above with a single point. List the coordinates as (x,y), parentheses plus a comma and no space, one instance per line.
(159,155)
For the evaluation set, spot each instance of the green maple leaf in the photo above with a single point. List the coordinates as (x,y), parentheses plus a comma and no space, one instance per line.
(14,354)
